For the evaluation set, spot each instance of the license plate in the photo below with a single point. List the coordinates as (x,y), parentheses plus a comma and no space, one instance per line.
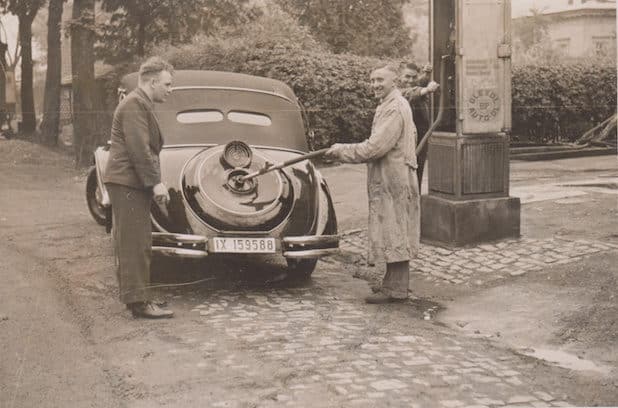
(243,245)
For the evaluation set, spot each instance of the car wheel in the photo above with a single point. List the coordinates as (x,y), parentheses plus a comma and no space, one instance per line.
(93,198)
(301,268)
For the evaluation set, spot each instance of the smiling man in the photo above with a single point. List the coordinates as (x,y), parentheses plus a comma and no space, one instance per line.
(392,186)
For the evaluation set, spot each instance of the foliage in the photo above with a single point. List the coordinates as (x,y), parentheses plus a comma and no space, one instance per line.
(559,102)
(333,88)
(550,102)
(22,8)
(136,25)
(416,16)
(86,104)
(362,27)
(531,29)
(25,10)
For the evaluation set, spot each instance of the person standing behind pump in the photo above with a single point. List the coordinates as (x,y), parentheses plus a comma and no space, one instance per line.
(416,89)
(133,177)
(392,187)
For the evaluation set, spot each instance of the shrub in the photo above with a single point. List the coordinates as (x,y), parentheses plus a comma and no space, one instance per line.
(333,88)
(560,102)
(550,103)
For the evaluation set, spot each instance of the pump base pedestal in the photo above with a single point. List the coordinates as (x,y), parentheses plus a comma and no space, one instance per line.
(466,222)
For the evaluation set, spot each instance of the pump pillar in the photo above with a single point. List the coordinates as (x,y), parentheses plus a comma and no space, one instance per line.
(468,200)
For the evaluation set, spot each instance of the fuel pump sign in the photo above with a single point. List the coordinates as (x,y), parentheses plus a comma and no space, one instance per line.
(483,62)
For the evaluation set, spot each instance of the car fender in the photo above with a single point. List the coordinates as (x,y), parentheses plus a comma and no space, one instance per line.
(101,155)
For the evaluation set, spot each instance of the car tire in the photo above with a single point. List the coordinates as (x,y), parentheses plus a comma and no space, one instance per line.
(98,211)
(301,268)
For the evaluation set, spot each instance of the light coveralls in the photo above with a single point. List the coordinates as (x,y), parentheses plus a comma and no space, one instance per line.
(392,188)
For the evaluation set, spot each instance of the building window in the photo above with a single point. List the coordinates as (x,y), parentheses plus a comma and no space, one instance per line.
(562,44)
(600,48)
(602,45)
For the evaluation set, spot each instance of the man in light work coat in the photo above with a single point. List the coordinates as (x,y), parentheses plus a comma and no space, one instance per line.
(392,186)
(133,177)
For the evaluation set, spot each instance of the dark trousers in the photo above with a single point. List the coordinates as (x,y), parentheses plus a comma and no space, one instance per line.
(421,156)
(132,236)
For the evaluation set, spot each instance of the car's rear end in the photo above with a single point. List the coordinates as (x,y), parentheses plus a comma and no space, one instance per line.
(215,135)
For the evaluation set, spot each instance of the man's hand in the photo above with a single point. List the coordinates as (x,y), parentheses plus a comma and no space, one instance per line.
(161,195)
(432,86)
(333,152)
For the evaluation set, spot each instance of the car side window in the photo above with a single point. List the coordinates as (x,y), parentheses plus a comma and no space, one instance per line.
(199,116)
(249,118)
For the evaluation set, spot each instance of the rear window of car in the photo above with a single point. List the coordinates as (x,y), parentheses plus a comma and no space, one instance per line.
(249,118)
(199,116)
(213,115)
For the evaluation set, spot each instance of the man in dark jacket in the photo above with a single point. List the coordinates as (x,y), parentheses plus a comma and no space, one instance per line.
(133,178)
(416,88)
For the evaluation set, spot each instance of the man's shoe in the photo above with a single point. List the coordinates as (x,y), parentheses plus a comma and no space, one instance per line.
(150,310)
(380,298)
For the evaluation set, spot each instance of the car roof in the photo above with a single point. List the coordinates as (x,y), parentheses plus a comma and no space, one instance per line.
(201,78)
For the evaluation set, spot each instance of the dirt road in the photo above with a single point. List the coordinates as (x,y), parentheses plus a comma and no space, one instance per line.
(238,340)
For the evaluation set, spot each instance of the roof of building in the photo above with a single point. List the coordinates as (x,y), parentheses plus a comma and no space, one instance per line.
(523,8)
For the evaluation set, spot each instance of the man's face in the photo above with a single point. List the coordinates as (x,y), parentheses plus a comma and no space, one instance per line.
(408,77)
(382,82)
(161,86)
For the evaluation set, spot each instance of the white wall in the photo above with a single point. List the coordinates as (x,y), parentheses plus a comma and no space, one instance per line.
(580,33)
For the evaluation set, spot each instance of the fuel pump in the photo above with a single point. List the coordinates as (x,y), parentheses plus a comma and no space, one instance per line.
(468,200)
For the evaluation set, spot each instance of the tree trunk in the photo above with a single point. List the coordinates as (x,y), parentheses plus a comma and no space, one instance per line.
(85,101)
(141,36)
(3,68)
(27,92)
(51,100)
(172,24)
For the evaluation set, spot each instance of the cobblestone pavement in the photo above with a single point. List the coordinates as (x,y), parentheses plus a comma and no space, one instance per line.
(484,263)
(334,351)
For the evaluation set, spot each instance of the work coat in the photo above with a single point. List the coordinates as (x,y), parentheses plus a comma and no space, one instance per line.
(392,187)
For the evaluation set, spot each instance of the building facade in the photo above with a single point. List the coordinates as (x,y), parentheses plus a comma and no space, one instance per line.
(578,28)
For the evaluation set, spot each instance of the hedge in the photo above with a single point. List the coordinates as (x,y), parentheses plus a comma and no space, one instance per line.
(333,89)
(550,104)
(559,103)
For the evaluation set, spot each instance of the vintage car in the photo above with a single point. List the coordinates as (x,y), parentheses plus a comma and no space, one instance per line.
(220,130)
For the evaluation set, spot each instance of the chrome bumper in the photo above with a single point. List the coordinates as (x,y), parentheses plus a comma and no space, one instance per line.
(179,245)
(196,246)
(311,246)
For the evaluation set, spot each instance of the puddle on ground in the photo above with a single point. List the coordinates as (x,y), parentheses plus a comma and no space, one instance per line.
(552,191)
(531,194)
(524,317)
(610,186)
(599,186)
(567,360)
